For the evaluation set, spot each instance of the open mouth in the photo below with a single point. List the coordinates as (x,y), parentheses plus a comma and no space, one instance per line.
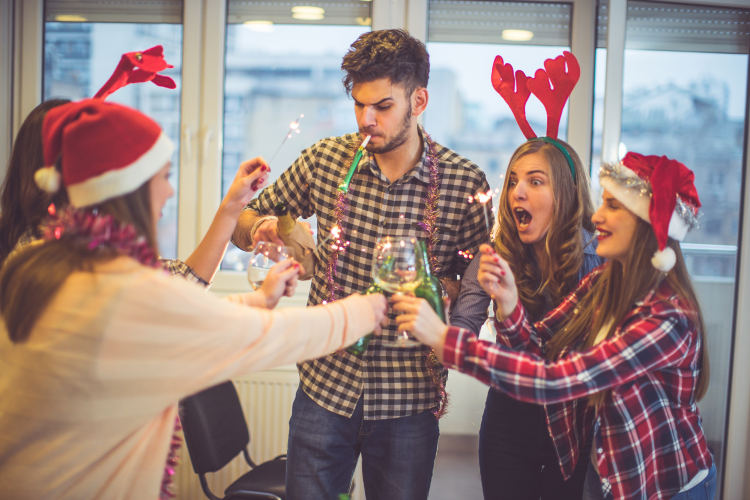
(523,218)
(602,234)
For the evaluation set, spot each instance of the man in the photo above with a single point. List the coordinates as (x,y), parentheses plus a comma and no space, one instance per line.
(378,404)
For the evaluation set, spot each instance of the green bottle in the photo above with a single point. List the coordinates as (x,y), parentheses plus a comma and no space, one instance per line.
(429,288)
(360,346)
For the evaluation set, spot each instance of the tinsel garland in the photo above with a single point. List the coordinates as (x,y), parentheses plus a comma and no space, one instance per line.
(95,231)
(429,226)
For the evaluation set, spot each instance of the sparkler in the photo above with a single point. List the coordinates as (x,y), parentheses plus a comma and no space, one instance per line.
(293,127)
(483,198)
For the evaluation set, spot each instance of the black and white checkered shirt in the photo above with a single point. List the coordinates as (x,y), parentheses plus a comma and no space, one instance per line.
(393,380)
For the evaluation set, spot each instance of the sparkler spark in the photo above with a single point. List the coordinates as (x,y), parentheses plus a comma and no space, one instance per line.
(293,127)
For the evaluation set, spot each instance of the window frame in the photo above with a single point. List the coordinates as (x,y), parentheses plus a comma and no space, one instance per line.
(21,70)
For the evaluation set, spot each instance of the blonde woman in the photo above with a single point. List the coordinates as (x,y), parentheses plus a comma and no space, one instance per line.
(98,345)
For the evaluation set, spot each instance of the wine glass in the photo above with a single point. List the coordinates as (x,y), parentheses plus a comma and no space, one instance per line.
(262,258)
(395,270)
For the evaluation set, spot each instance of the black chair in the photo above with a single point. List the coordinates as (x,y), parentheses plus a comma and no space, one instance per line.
(215,433)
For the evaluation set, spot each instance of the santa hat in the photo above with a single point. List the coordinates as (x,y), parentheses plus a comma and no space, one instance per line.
(107,150)
(661,192)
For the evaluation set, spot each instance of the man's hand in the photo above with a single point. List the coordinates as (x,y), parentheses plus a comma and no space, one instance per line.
(452,288)
(268,231)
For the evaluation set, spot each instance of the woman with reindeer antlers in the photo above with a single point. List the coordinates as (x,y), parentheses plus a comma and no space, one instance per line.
(543,227)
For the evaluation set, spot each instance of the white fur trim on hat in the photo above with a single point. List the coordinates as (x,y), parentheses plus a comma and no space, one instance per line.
(664,260)
(123,180)
(48,179)
(639,203)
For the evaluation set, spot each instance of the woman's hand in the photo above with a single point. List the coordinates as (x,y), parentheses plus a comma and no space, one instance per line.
(252,176)
(379,305)
(418,318)
(281,281)
(496,278)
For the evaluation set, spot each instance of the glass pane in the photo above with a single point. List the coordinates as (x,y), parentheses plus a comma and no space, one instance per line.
(274,74)
(465,113)
(79,58)
(691,106)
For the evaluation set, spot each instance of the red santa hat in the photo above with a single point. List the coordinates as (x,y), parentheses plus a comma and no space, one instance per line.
(661,192)
(106,150)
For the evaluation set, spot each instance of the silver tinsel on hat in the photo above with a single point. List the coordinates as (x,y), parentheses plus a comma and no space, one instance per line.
(626,178)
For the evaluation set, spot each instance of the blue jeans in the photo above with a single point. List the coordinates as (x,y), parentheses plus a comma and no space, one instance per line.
(397,454)
(705,490)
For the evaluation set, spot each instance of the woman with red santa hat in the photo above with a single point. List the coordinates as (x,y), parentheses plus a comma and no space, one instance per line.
(98,344)
(630,338)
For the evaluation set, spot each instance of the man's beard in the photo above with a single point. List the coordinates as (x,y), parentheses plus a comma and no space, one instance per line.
(399,140)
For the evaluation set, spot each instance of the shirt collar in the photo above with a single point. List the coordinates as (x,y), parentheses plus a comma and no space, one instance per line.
(420,171)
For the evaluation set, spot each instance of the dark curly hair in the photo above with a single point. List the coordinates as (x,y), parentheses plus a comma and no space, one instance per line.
(392,54)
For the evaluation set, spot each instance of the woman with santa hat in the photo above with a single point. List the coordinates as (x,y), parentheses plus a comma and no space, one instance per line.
(98,344)
(630,338)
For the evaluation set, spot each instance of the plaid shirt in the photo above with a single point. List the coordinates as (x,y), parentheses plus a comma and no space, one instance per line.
(648,440)
(393,380)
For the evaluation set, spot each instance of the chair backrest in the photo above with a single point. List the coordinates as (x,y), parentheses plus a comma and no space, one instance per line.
(214,426)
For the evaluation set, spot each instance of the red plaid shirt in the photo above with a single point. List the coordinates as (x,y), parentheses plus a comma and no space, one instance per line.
(649,441)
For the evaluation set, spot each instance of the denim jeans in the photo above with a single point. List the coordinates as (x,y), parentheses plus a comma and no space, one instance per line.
(517,459)
(397,454)
(705,490)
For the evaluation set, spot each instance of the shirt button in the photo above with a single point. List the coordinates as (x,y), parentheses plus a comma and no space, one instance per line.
(604,480)
(384,223)
(599,450)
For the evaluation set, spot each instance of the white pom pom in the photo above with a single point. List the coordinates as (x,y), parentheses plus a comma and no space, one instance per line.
(48,179)
(664,260)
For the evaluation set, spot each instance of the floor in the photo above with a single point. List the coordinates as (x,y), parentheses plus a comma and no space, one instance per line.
(456,474)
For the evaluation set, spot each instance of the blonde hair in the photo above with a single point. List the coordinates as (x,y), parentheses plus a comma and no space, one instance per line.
(573,207)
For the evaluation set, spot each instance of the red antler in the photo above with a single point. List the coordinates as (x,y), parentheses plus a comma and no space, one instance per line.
(554,99)
(149,63)
(505,85)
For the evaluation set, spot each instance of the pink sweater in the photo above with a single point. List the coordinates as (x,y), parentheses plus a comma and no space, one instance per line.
(88,402)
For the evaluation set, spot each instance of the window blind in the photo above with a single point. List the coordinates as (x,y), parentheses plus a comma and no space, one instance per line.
(114,11)
(683,28)
(353,12)
(486,21)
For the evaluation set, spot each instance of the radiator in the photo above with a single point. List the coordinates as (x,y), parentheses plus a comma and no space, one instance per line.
(267,400)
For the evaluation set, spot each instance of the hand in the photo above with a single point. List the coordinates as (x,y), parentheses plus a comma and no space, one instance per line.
(418,318)
(496,279)
(380,307)
(268,231)
(281,281)
(251,177)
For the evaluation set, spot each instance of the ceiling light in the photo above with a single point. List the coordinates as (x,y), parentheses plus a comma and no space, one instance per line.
(517,35)
(307,13)
(260,26)
(70,18)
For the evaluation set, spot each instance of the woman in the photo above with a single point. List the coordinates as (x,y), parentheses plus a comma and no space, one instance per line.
(98,346)
(544,231)
(628,338)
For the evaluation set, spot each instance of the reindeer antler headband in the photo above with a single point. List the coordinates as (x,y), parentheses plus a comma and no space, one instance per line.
(516,88)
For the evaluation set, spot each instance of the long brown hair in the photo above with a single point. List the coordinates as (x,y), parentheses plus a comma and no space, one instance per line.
(23,204)
(573,208)
(32,277)
(613,296)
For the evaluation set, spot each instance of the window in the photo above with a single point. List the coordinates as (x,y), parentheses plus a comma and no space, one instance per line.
(278,68)
(80,56)
(684,96)
(465,113)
